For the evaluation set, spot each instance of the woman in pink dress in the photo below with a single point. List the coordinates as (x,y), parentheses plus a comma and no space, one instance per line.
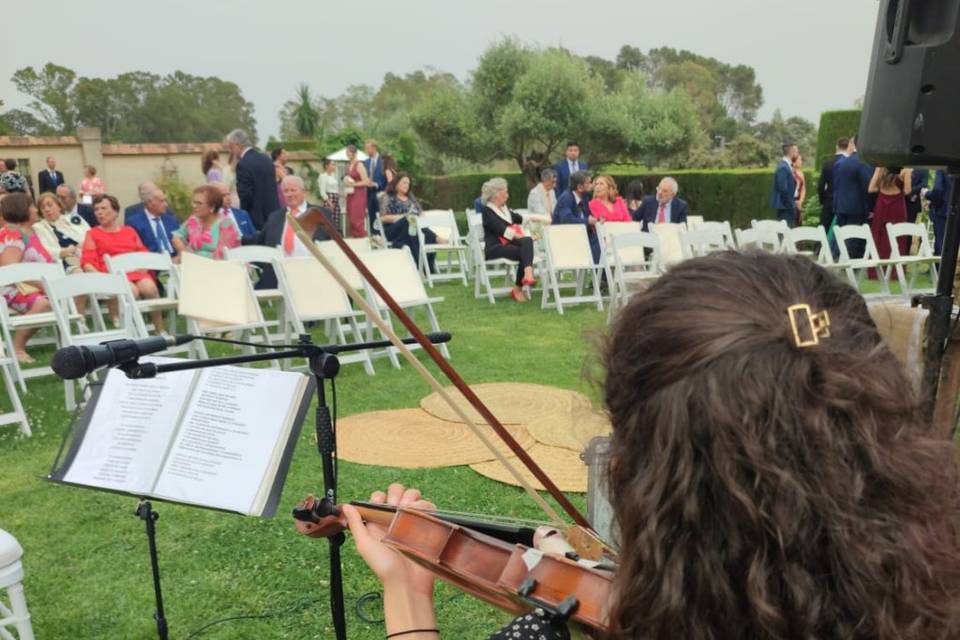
(357,200)
(891,207)
(91,186)
(18,243)
(606,205)
(110,238)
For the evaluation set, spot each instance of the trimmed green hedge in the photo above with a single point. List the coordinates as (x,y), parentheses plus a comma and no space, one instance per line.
(735,195)
(834,125)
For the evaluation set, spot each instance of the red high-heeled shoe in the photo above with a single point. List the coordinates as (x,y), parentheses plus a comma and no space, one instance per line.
(517,295)
(528,282)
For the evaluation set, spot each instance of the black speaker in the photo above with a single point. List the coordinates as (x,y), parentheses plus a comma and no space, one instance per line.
(911,111)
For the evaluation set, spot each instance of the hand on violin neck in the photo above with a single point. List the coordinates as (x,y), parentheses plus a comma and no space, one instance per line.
(394,571)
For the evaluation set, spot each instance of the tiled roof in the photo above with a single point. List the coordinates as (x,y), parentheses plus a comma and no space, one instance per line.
(159,149)
(38,141)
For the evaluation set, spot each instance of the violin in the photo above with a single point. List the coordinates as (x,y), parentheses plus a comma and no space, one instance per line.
(490,561)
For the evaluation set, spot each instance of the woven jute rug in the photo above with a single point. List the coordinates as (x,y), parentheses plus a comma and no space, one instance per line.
(571,429)
(563,466)
(510,402)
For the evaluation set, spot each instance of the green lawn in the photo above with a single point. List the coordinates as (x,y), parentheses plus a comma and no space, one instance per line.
(86,559)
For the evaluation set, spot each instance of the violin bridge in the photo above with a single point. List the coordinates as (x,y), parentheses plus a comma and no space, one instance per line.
(587,544)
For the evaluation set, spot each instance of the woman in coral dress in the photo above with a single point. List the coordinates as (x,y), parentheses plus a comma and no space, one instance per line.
(891,207)
(207,233)
(606,203)
(357,200)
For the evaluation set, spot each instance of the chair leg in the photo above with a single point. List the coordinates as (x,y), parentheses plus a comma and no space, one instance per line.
(18,604)
(15,401)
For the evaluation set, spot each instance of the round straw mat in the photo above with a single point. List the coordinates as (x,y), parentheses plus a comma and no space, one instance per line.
(413,439)
(510,402)
(571,430)
(563,466)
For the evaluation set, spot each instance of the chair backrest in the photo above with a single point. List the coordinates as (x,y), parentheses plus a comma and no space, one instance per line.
(817,235)
(694,221)
(398,273)
(254,253)
(145,261)
(26,271)
(772,233)
(607,230)
(442,222)
(309,290)
(704,239)
(668,233)
(61,291)
(217,291)
(911,230)
(747,238)
(341,262)
(632,250)
(567,246)
(849,232)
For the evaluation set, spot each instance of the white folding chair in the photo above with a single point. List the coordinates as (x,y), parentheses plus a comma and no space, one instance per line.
(772,234)
(16,415)
(62,291)
(311,294)
(706,238)
(636,260)
(747,239)
(606,232)
(668,234)
(487,270)
(694,221)
(397,271)
(452,265)
(903,263)
(799,240)
(252,256)
(857,268)
(567,250)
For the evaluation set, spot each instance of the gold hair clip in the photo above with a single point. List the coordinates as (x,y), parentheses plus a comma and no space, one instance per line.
(819,324)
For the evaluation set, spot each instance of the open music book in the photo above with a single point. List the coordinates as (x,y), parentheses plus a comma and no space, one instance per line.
(220,438)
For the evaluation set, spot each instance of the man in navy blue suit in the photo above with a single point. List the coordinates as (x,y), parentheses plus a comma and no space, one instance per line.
(256,177)
(851,205)
(374,167)
(154,222)
(665,207)
(919,181)
(567,167)
(239,216)
(68,196)
(783,198)
(572,208)
(939,197)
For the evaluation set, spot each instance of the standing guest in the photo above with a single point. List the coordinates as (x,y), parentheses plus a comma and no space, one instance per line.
(12,182)
(357,182)
(50,179)
(919,180)
(783,198)
(542,199)
(211,167)
(503,236)
(633,194)
(801,196)
(825,183)
(606,205)
(256,178)
(91,185)
(399,219)
(10,166)
(939,197)
(890,185)
(567,167)
(240,217)
(71,208)
(663,208)
(851,182)
(329,188)
(62,236)
(156,224)
(277,233)
(207,232)
(572,208)
(378,182)
(110,238)
(389,169)
(281,171)
(18,243)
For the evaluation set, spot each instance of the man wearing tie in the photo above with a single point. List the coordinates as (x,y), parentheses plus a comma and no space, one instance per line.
(663,208)
(240,217)
(50,179)
(374,167)
(156,223)
(572,209)
(567,167)
(783,199)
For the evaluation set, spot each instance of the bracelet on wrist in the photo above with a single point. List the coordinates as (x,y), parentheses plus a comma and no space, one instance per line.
(408,632)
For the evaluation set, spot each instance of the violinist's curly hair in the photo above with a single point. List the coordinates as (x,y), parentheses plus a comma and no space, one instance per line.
(766,491)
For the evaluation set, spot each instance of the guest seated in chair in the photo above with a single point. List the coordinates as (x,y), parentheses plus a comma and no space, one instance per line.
(503,237)
(573,208)
(664,207)
(110,238)
(62,236)
(207,232)
(399,220)
(18,243)
(606,205)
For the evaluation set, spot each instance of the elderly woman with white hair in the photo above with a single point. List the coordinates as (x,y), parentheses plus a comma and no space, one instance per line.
(503,235)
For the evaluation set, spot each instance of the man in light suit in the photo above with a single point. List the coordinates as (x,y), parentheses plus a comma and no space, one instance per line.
(155,223)
(256,177)
(277,233)
(783,198)
(851,202)
(374,167)
(665,207)
(239,216)
(572,209)
(542,199)
(567,167)
(50,179)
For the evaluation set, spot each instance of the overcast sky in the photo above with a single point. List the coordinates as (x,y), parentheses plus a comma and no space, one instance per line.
(809,55)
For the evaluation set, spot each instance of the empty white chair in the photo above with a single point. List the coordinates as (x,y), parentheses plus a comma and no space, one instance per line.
(706,238)
(771,233)
(747,238)
(903,263)
(857,268)
(694,221)
(810,241)
(252,256)
(668,234)
(567,249)
(636,261)
(485,271)
(452,265)
(606,232)
(16,615)
(16,415)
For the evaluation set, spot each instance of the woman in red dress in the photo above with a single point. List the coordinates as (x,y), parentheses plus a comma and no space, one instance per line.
(111,238)
(357,199)
(891,207)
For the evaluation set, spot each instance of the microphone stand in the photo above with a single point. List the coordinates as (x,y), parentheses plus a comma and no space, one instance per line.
(323,365)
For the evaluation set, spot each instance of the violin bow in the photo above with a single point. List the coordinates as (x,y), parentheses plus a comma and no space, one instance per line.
(445,366)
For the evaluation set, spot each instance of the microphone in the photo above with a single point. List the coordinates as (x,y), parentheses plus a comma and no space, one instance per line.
(75,362)
(437,337)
